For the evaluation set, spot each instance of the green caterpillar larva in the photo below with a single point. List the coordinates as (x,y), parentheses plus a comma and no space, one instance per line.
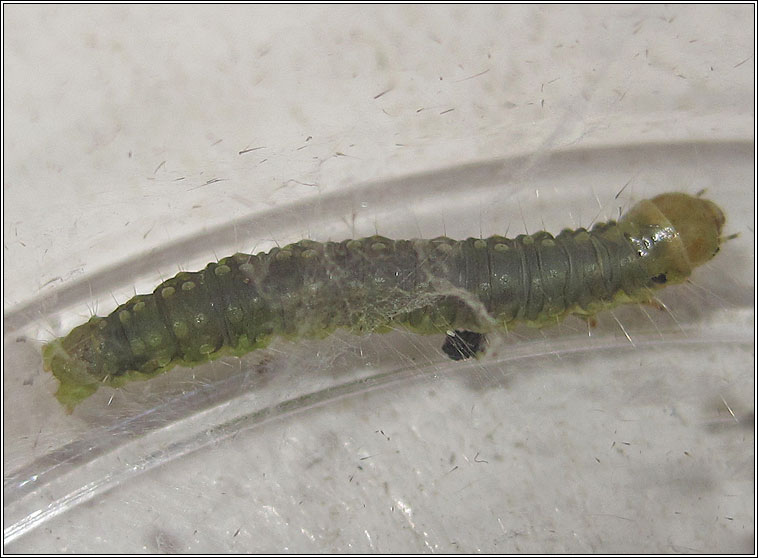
(308,289)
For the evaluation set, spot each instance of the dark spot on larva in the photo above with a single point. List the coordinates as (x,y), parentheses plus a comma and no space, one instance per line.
(660,279)
(463,344)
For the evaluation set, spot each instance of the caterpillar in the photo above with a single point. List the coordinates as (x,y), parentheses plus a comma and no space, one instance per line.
(308,289)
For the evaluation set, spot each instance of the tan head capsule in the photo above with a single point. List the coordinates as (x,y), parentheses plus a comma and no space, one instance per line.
(698,223)
(674,233)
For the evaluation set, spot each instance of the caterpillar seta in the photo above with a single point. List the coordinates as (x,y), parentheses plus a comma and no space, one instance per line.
(429,286)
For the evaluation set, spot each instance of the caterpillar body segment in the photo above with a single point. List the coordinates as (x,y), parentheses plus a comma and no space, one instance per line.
(308,289)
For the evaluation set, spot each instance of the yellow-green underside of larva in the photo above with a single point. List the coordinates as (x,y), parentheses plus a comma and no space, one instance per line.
(76,386)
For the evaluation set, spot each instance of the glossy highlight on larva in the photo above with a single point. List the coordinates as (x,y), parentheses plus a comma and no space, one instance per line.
(374,284)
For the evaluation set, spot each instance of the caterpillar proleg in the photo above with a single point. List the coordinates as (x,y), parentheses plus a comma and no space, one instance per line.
(430,286)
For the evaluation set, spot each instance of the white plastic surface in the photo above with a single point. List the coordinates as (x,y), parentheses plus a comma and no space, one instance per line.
(142,139)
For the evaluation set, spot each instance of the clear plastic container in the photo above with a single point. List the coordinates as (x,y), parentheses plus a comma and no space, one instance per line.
(645,389)
(146,139)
